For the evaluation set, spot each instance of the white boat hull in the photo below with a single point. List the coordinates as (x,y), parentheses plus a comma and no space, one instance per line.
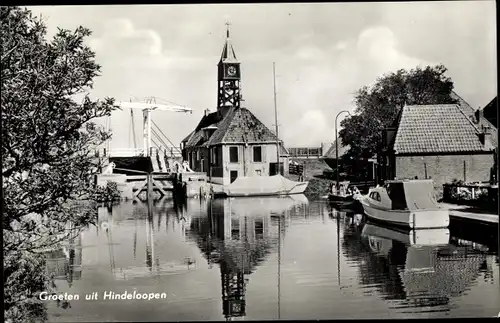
(299,188)
(437,236)
(414,219)
(264,186)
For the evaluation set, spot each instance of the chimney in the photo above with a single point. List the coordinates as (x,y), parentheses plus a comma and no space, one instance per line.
(479,114)
(207,111)
(485,137)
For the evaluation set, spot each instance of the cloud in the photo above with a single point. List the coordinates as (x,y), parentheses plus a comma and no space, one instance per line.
(322,82)
(378,48)
(120,34)
(314,81)
(122,43)
(323,54)
(341,45)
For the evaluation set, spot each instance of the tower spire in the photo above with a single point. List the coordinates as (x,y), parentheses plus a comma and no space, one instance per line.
(227,28)
(228,54)
(229,91)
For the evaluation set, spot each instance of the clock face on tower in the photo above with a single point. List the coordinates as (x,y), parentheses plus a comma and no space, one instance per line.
(231,71)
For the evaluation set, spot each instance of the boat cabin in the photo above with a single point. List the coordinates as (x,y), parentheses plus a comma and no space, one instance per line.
(405,194)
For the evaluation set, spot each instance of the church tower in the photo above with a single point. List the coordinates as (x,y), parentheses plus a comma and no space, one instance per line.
(228,78)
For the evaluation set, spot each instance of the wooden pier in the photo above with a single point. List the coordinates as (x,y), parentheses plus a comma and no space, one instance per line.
(467,213)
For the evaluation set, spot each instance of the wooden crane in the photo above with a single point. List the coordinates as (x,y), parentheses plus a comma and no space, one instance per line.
(146,108)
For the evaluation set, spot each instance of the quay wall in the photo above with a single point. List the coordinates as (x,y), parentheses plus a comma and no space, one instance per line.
(445,168)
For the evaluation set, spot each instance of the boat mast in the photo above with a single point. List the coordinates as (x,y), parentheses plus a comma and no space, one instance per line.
(338,248)
(279,267)
(276,120)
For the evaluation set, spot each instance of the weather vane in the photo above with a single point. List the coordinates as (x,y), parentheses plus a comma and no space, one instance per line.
(227,28)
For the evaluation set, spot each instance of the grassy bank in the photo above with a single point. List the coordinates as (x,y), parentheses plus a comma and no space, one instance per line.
(317,186)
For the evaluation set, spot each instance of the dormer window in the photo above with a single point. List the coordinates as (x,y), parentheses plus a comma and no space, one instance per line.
(208,132)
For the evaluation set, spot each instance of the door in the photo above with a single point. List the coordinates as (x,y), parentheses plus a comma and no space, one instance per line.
(233,175)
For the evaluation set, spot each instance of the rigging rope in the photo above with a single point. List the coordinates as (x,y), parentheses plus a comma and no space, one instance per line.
(173,145)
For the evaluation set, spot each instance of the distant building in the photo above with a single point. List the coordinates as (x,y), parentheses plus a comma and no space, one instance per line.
(232,141)
(361,169)
(442,142)
(330,156)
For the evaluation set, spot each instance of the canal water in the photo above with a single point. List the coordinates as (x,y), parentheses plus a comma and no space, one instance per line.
(267,258)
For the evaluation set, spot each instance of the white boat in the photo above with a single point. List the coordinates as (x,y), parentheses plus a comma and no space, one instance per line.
(259,206)
(264,186)
(430,237)
(433,270)
(407,203)
(340,195)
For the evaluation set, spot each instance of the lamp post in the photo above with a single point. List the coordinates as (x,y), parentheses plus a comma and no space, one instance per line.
(337,146)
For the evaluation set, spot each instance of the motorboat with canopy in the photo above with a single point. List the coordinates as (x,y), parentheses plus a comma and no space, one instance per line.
(408,203)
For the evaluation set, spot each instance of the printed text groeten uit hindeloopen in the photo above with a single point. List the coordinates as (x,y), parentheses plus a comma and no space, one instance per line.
(107,295)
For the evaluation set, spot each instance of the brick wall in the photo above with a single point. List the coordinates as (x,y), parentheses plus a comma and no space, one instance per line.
(445,168)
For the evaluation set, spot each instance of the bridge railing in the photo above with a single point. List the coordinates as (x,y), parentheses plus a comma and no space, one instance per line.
(305,152)
(131,152)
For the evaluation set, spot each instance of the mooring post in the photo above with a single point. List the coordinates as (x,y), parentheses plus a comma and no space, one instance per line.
(150,196)
(149,179)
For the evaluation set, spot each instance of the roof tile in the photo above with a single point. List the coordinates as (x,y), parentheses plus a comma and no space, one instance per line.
(238,126)
(436,129)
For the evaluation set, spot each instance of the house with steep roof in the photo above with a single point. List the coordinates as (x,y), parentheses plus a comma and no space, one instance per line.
(484,118)
(442,142)
(232,142)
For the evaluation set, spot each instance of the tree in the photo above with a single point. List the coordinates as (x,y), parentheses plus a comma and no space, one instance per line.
(378,106)
(47,149)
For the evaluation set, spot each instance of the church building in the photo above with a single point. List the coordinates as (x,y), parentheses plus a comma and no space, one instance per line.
(232,142)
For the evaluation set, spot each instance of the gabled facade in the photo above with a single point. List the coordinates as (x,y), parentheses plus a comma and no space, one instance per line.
(439,142)
(232,141)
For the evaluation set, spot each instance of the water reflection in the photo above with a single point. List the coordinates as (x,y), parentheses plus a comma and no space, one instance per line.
(418,268)
(65,263)
(238,234)
(260,258)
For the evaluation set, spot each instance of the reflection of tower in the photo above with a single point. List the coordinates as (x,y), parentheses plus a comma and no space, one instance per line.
(238,234)
(225,229)
(233,292)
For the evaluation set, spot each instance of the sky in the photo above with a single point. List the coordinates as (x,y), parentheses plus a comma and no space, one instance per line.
(323,53)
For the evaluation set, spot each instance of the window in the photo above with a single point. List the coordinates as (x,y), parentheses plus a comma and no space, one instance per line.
(233,154)
(375,196)
(259,229)
(257,154)
(235,229)
(233,175)
(215,155)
